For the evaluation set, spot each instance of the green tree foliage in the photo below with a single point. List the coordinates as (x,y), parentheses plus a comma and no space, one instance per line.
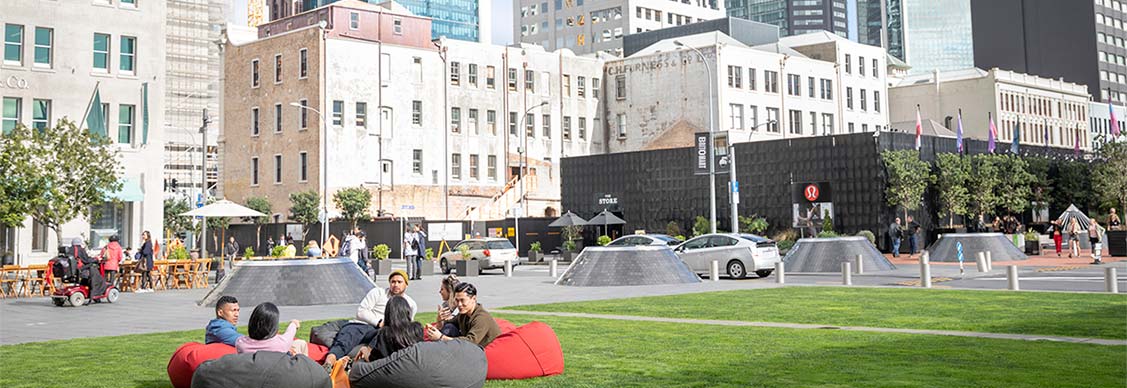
(907,178)
(353,203)
(1072,185)
(950,180)
(1041,187)
(754,224)
(261,205)
(701,226)
(1109,175)
(1013,191)
(984,180)
(603,240)
(827,222)
(672,228)
(24,184)
(174,223)
(77,170)
(304,209)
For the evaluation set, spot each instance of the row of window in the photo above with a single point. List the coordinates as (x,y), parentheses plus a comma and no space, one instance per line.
(1111,40)
(864,99)
(1113,77)
(12,114)
(302,68)
(1110,21)
(472,79)
(1040,133)
(861,66)
(1012,102)
(735,79)
(795,124)
(1113,4)
(302,170)
(43,49)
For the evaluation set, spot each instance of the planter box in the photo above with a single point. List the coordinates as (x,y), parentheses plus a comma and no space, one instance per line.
(1032,248)
(535,257)
(428,268)
(381,267)
(466,268)
(568,255)
(1116,244)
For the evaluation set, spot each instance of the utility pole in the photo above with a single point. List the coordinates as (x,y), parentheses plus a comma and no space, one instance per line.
(203,183)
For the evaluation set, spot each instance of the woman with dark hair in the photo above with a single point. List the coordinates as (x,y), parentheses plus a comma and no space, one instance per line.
(449,308)
(262,333)
(398,331)
(145,262)
(474,323)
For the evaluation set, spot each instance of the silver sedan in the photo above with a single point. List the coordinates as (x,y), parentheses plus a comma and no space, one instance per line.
(737,253)
(644,239)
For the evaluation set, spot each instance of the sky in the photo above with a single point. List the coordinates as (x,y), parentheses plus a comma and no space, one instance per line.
(502,18)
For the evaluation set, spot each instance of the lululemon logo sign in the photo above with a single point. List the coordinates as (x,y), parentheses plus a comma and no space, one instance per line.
(811,193)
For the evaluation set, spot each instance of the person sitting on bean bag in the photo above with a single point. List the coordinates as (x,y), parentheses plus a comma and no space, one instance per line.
(222,328)
(449,308)
(474,323)
(263,333)
(363,329)
(398,332)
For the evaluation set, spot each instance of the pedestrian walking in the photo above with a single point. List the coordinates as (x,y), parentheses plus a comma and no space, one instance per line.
(894,235)
(230,252)
(421,253)
(1094,239)
(1054,230)
(145,262)
(1074,238)
(913,235)
(362,254)
(410,249)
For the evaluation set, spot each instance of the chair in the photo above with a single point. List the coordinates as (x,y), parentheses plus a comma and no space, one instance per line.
(203,270)
(181,272)
(9,277)
(36,277)
(129,276)
(161,274)
(23,275)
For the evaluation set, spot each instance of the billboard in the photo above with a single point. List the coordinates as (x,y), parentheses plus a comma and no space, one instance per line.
(811,203)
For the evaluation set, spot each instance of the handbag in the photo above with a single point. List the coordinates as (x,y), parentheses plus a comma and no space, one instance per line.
(339,374)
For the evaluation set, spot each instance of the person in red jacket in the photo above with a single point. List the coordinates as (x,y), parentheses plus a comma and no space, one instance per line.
(111,257)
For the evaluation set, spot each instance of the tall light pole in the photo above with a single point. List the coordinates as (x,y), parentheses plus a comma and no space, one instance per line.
(711,145)
(203,184)
(440,43)
(521,152)
(733,184)
(323,170)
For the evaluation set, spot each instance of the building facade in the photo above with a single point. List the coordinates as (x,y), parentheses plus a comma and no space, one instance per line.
(794,17)
(763,92)
(468,20)
(55,55)
(599,25)
(432,129)
(1099,122)
(1081,41)
(931,34)
(1046,112)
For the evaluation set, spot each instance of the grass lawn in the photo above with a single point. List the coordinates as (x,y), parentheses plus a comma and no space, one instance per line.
(1065,314)
(604,353)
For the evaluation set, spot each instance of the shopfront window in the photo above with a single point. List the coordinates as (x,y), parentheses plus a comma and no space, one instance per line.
(112,219)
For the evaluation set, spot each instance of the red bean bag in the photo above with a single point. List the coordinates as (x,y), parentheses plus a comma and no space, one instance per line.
(189,356)
(532,350)
(506,326)
(318,352)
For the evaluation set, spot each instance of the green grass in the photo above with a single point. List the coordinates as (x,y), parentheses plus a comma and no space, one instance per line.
(1064,314)
(603,353)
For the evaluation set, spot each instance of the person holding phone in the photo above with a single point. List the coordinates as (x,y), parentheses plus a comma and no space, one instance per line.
(474,323)
(449,307)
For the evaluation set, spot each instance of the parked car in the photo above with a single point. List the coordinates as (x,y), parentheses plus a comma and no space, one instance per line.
(738,254)
(644,239)
(490,253)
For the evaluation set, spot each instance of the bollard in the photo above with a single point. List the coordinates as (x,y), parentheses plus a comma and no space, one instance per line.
(989,262)
(1110,280)
(780,273)
(860,265)
(508,268)
(925,270)
(1011,277)
(846,274)
(552,267)
(980,261)
(714,271)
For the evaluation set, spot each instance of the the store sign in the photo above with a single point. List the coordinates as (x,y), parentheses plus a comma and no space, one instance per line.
(13,82)
(607,201)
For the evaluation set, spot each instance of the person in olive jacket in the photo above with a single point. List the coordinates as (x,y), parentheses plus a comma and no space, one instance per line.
(475,324)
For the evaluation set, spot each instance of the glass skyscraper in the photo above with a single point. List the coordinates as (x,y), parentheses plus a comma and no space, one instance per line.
(931,34)
(455,19)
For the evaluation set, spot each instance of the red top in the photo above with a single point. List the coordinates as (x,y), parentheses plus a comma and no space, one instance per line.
(111,253)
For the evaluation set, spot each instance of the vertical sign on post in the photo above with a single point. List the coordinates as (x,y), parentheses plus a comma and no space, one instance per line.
(701,160)
(720,147)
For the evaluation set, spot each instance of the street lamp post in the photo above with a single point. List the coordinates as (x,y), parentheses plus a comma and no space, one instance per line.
(733,184)
(440,43)
(323,170)
(521,152)
(711,145)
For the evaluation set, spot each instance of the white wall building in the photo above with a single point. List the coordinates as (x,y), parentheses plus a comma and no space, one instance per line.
(599,25)
(54,54)
(1048,111)
(861,71)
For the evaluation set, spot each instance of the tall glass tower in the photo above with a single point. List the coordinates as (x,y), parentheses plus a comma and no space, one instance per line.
(931,34)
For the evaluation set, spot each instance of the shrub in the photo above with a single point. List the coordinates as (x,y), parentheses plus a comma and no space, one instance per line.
(680,237)
(381,251)
(278,251)
(1031,236)
(248,253)
(754,224)
(178,253)
(673,228)
(465,251)
(868,235)
(785,235)
(569,246)
(534,247)
(701,226)
(604,240)
(430,253)
(827,233)
(784,245)
(827,222)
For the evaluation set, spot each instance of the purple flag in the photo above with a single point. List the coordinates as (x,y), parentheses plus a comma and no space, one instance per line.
(959,133)
(1114,122)
(993,134)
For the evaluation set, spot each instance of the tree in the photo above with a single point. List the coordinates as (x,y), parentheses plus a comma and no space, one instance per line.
(353,203)
(23,184)
(754,224)
(950,179)
(78,170)
(907,178)
(1041,187)
(673,228)
(1013,192)
(261,205)
(1072,184)
(174,223)
(304,207)
(1109,175)
(983,182)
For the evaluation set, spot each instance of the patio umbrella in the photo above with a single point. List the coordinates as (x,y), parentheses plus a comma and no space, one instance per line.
(567,219)
(221,208)
(606,218)
(1073,213)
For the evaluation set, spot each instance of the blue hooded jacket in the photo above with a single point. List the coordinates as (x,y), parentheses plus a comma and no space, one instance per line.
(219,330)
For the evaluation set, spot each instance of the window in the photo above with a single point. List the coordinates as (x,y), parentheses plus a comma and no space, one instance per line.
(513,123)
(530,125)
(354,20)
(864,104)
(827,89)
(851,128)
(794,86)
(101,52)
(810,86)
(620,87)
(473,166)
(492,167)
(864,127)
(38,236)
(491,121)
(751,78)
(43,41)
(278,68)
(13,44)
(128,54)
(736,115)
(303,114)
(417,162)
(277,169)
(254,121)
(582,128)
(40,114)
(876,100)
(813,123)
(338,112)
(795,122)
(753,115)
(827,124)
(254,73)
(581,86)
(455,120)
(362,114)
(472,70)
(473,122)
(566,85)
(303,63)
(513,79)
(773,120)
(277,118)
(303,166)
(621,125)
(530,81)
(735,73)
(770,81)
(455,75)
(596,85)
(397,24)
(254,171)
(861,66)
(490,78)
(546,126)
(875,67)
(848,64)
(417,112)
(456,166)
(567,128)
(125,124)
(849,97)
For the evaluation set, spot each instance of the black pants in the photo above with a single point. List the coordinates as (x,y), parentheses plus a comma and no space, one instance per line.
(350,336)
(111,277)
(146,280)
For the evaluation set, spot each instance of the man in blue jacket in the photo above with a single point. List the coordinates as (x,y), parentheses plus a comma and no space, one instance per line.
(222,328)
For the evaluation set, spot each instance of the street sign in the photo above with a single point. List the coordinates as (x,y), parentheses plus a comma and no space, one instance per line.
(407,207)
(199,200)
(735,185)
(517,211)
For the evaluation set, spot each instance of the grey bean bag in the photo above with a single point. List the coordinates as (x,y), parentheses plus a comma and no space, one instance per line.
(261,369)
(324,334)
(455,364)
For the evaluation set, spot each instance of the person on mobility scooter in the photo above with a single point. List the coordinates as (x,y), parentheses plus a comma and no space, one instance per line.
(82,277)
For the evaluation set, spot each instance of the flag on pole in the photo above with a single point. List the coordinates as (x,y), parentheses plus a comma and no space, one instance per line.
(919,127)
(95,116)
(1114,121)
(1045,131)
(992,134)
(959,133)
(1017,136)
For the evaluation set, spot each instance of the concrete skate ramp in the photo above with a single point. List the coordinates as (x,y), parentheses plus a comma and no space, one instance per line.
(293,283)
(627,266)
(827,254)
(1000,247)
